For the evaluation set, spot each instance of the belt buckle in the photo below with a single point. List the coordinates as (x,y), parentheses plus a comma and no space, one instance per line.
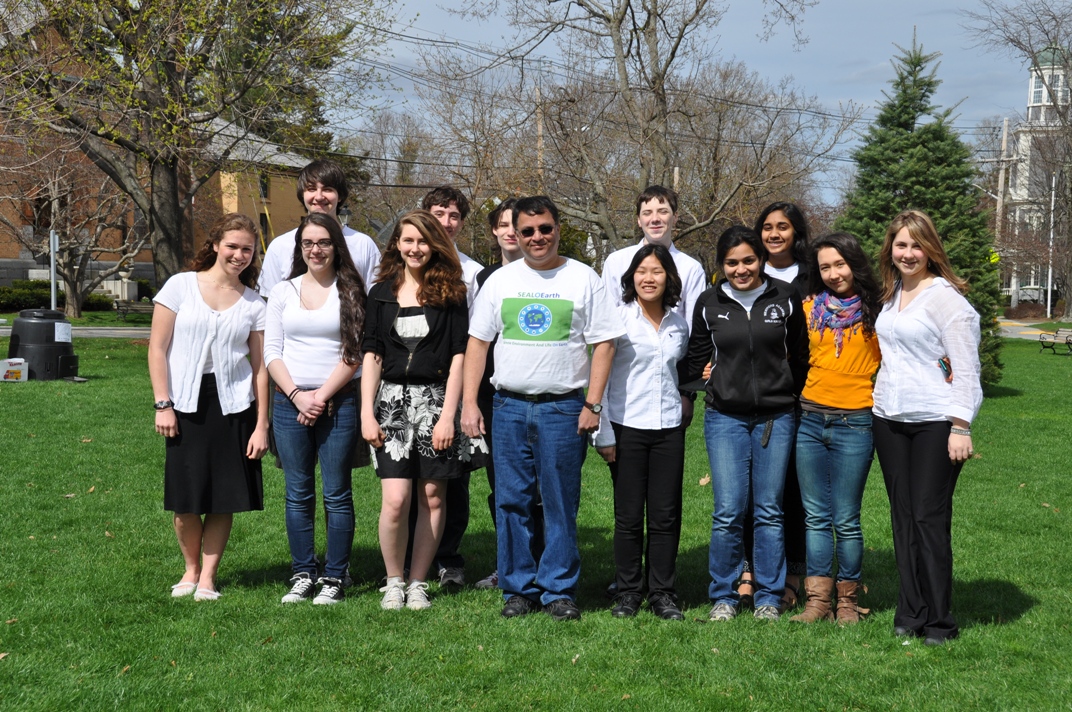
(532,397)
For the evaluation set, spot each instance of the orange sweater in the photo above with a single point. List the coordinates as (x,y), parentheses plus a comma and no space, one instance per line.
(843,381)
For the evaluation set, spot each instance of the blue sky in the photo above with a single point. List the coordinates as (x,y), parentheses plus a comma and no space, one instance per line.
(847,56)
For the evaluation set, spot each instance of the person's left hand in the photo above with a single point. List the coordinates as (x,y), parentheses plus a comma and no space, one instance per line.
(960,448)
(258,444)
(608,453)
(688,406)
(443,434)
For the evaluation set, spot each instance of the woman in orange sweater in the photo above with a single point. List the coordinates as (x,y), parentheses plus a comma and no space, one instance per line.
(834,446)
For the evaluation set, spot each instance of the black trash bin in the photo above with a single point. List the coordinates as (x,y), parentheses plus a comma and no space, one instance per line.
(43,338)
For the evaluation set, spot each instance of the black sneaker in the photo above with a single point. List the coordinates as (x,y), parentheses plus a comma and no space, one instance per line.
(301,588)
(519,606)
(563,609)
(330,591)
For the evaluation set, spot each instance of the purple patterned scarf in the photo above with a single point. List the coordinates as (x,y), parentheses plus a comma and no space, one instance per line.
(837,315)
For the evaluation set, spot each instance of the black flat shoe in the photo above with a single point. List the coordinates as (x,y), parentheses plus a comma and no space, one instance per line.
(627,605)
(903,631)
(663,606)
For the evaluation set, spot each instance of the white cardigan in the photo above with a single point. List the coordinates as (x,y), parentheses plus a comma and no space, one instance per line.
(201,331)
(911,386)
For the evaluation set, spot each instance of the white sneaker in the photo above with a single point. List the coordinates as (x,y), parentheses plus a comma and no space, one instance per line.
(301,588)
(451,577)
(394,595)
(331,591)
(489,581)
(417,596)
(721,612)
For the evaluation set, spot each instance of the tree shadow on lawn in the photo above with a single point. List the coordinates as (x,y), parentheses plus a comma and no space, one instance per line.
(1002,392)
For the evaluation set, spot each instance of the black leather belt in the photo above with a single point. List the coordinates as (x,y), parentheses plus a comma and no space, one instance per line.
(539,397)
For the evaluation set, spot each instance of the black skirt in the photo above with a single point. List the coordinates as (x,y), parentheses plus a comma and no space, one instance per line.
(206,470)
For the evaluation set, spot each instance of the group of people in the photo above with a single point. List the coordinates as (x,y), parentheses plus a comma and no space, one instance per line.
(443,366)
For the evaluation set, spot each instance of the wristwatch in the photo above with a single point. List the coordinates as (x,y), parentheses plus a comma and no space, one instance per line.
(163,405)
(596,408)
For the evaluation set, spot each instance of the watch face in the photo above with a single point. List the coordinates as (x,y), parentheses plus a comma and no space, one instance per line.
(596,408)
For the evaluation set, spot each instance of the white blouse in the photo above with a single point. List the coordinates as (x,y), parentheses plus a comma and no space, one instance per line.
(642,389)
(309,341)
(911,386)
(201,334)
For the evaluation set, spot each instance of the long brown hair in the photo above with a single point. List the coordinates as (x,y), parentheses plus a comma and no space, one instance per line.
(442,280)
(206,256)
(921,229)
(348,282)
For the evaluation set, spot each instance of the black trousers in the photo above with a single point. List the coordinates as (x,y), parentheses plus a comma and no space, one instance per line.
(647,473)
(920,479)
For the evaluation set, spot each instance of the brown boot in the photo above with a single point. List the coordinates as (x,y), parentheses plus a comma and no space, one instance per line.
(847,609)
(819,591)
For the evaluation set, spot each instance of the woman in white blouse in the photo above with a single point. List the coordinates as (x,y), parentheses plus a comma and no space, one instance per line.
(312,347)
(922,424)
(211,393)
(641,435)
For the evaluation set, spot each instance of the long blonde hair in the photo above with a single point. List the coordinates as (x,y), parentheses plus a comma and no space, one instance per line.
(921,229)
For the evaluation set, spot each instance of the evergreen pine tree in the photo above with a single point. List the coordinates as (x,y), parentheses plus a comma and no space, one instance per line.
(912,158)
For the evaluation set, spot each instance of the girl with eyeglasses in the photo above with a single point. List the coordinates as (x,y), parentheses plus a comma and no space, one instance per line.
(313,350)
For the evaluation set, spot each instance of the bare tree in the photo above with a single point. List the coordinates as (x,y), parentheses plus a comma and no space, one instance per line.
(46,185)
(1039,33)
(632,97)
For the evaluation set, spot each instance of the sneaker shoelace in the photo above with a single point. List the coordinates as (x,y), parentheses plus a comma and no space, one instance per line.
(330,587)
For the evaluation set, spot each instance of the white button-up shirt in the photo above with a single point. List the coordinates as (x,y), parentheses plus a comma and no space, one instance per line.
(911,386)
(642,388)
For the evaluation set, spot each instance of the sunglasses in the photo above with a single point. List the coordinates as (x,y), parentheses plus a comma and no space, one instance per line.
(544,229)
(322,244)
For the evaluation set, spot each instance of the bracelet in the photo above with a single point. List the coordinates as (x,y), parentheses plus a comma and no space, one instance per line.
(290,397)
(960,431)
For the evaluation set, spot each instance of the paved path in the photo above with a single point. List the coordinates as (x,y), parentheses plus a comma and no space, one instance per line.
(1018,330)
(99,332)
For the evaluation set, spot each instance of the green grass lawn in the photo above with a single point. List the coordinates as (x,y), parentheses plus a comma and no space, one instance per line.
(87,555)
(1053,325)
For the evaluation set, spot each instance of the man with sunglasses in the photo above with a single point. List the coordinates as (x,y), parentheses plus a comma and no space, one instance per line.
(546,311)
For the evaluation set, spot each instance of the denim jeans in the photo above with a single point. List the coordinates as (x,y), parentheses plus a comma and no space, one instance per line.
(331,439)
(743,470)
(538,455)
(834,454)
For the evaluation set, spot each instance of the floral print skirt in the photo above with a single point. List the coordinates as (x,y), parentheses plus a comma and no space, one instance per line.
(407,413)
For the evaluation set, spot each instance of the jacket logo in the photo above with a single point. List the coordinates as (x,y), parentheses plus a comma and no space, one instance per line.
(774,314)
(725,316)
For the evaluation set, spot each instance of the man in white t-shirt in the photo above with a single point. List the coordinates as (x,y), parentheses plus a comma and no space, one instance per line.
(322,188)
(451,207)
(656,210)
(546,311)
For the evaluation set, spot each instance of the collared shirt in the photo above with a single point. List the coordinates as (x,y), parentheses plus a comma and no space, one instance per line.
(911,386)
(470,269)
(642,389)
(693,279)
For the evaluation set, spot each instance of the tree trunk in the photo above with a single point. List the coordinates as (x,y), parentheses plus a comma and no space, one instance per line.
(167,221)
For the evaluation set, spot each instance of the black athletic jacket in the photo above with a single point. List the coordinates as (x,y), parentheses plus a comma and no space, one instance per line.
(760,364)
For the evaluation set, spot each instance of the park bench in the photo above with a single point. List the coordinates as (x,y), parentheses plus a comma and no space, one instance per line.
(1057,338)
(125,306)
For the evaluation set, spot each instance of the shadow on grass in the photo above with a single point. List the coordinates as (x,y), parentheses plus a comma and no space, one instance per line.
(1002,392)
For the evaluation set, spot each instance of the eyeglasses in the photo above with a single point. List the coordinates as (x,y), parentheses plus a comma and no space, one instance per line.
(322,244)
(544,229)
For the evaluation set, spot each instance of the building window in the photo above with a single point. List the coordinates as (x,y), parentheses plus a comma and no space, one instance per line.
(265,184)
(1037,90)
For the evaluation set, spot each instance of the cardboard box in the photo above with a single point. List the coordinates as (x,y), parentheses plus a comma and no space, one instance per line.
(14,369)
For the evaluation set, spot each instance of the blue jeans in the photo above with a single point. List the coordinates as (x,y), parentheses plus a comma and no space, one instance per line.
(834,455)
(331,439)
(744,471)
(538,455)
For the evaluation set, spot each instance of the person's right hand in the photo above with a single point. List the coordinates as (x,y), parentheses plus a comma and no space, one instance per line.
(608,453)
(472,421)
(167,424)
